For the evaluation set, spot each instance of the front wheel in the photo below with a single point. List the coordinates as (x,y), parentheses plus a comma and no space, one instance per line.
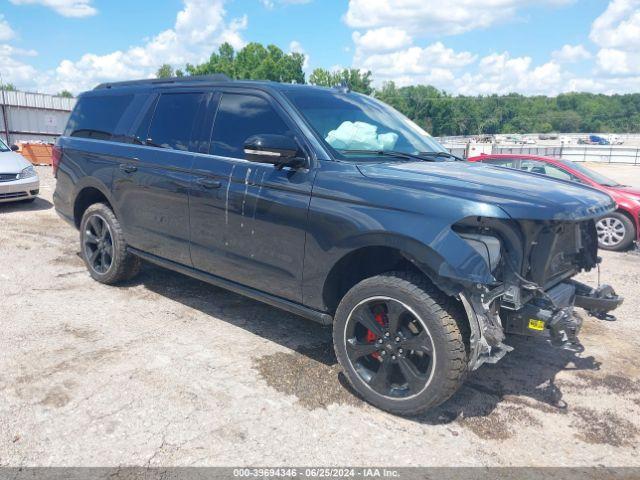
(398,341)
(615,232)
(104,249)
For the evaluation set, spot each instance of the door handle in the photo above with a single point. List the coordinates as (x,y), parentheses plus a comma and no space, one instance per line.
(128,168)
(209,184)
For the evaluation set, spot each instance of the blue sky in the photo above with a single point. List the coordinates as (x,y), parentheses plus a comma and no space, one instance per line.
(485,46)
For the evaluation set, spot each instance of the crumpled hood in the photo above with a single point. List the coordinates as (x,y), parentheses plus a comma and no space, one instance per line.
(521,195)
(12,162)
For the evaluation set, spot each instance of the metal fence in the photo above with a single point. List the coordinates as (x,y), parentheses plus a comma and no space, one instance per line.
(28,116)
(575,153)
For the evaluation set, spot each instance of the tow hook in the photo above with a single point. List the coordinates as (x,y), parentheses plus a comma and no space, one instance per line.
(598,302)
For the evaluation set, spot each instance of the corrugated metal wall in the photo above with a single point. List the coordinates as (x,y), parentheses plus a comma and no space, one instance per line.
(34,116)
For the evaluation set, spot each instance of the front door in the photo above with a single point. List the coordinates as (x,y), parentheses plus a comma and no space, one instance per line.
(248,220)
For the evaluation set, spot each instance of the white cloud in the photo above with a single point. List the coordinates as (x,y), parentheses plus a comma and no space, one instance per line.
(270,4)
(6,32)
(13,68)
(414,62)
(382,39)
(617,33)
(66,8)
(434,17)
(618,26)
(501,73)
(571,54)
(200,27)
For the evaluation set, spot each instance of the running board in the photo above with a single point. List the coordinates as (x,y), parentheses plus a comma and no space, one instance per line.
(281,303)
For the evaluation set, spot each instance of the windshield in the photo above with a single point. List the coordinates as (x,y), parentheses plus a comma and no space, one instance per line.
(3,146)
(354,125)
(596,177)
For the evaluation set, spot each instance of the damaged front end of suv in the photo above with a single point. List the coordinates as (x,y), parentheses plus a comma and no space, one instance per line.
(507,244)
(531,290)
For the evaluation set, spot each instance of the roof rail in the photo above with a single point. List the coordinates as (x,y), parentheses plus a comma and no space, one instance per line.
(217,77)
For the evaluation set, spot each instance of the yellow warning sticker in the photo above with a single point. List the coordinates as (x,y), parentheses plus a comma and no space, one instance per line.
(536,324)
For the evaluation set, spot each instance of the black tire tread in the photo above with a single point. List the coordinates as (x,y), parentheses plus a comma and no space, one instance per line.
(447,312)
(126,265)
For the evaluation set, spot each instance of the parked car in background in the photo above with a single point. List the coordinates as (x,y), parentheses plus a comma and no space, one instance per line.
(615,140)
(593,140)
(336,207)
(18,179)
(618,230)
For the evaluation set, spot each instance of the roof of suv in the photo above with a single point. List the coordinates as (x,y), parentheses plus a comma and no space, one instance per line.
(217,79)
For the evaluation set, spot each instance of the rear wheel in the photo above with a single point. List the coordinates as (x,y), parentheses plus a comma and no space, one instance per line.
(104,249)
(615,232)
(399,344)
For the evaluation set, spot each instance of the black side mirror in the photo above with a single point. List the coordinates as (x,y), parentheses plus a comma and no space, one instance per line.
(15,148)
(278,150)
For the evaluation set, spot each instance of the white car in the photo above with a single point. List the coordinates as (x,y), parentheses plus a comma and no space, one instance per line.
(18,179)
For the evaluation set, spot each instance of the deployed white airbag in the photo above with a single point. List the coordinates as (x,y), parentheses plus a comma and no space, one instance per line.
(360,136)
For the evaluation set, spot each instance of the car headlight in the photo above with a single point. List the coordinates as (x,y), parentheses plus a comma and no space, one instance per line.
(486,245)
(27,173)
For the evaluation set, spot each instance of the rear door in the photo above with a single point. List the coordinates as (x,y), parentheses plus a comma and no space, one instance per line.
(153,178)
(248,220)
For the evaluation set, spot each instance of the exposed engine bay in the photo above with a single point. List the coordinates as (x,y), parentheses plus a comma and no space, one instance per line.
(533,263)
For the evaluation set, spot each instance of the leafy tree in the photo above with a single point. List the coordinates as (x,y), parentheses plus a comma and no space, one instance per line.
(165,71)
(353,78)
(65,94)
(253,62)
(9,87)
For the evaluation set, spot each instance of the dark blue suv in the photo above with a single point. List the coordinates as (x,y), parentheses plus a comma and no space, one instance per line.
(333,206)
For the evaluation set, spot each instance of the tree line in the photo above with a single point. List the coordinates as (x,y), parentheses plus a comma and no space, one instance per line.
(435,110)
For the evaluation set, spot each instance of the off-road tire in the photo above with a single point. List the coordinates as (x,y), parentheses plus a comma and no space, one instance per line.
(124,264)
(445,322)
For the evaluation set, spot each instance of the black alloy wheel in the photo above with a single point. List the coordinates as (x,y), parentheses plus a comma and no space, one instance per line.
(98,244)
(389,347)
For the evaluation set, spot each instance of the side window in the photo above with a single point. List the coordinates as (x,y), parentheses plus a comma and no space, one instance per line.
(549,170)
(97,117)
(173,120)
(534,166)
(240,117)
(503,162)
(556,172)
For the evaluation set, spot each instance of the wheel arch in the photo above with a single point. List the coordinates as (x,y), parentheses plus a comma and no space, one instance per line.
(89,192)
(384,254)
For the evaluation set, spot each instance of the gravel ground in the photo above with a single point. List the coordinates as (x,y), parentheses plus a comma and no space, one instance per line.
(169,371)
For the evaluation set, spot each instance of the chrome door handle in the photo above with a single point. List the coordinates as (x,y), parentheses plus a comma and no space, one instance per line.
(209,184)
(128,168)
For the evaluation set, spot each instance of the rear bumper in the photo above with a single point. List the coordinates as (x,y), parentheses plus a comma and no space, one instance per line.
(19,189)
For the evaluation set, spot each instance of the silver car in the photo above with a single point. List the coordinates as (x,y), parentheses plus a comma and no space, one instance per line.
(18,179)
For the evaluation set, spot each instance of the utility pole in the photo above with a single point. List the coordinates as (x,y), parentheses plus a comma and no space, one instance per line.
(4,112)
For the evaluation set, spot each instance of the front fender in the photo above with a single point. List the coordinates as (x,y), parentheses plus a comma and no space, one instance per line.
(349,212)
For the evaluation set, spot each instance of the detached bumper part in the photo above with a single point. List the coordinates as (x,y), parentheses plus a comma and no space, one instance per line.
(550,317)
(553,316)
(597,301)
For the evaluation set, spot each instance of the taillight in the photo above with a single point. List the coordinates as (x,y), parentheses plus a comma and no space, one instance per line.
(56,156)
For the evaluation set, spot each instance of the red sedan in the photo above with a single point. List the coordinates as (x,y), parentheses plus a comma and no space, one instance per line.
(618,230)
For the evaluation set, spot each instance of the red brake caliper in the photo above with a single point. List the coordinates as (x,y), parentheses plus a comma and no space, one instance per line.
(371,337)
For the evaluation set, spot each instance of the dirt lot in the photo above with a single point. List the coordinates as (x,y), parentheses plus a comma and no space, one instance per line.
(170,371)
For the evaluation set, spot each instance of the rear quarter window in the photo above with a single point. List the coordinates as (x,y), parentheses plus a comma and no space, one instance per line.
(97,117)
